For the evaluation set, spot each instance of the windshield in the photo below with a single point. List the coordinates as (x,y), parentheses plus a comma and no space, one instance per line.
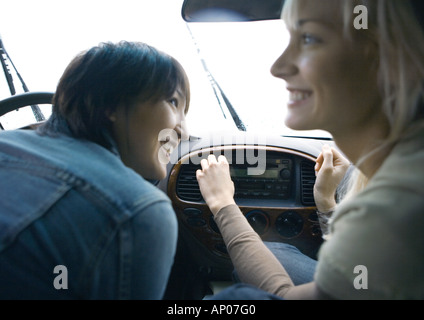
(228,64)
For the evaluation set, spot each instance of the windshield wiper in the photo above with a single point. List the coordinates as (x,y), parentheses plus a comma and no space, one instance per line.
(219,93)
(308,137)
(4,57)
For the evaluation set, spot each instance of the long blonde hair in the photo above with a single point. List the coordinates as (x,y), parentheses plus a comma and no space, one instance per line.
(395,32)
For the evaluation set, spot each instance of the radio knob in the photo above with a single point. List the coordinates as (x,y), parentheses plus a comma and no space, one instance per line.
(258,220)
(289,224)
(285,174)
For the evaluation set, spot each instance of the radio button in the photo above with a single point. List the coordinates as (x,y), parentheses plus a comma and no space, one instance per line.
(285,174)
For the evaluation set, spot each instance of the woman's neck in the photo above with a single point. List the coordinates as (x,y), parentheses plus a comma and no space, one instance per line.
(364,146)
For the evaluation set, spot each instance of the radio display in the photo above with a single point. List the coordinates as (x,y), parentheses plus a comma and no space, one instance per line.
(242,173)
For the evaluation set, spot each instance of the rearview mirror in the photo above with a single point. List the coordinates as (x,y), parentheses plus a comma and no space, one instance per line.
(231,10)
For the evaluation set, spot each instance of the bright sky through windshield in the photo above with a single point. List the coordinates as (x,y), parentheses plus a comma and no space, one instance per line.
(42,36)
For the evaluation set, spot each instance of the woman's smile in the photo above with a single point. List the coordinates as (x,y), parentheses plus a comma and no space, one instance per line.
(298,97)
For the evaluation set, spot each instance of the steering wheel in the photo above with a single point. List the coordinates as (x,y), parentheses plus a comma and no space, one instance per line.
(24,99)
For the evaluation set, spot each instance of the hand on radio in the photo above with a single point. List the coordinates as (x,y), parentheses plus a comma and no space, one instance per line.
(215,182)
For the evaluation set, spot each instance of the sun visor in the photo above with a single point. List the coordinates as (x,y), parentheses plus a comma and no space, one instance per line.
(231,10)
(248,10)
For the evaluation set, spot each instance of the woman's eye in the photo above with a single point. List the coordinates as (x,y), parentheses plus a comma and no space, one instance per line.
(174,102)
(309,39)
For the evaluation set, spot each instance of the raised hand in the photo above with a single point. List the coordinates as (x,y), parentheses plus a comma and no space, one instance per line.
(330,168)
(215,182)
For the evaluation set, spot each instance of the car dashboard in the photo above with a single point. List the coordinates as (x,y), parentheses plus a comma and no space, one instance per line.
(273,178)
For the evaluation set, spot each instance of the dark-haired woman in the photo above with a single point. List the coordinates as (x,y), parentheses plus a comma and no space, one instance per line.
(79,218)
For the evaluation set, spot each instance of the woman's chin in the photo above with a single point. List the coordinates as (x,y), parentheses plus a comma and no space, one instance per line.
(158,173)
(296,125)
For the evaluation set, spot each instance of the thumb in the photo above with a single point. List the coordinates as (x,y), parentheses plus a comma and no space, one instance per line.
(327,156)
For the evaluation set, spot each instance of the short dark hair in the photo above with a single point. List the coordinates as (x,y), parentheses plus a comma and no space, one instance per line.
(108,76)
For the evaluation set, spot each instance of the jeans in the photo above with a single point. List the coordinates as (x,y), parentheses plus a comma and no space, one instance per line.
(300,267)
(241,291)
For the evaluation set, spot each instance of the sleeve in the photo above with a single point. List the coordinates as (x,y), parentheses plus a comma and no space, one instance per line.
(154,232)
(254,262)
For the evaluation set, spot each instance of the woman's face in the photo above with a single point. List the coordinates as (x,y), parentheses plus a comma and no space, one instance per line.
(147,133)
(332,80)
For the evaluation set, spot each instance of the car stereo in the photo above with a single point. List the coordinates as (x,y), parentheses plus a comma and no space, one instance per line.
(273,183)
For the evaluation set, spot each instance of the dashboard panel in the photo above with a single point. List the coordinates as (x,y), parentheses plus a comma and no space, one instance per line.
(273,179)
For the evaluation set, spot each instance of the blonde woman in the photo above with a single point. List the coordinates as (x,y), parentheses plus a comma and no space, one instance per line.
(365,87)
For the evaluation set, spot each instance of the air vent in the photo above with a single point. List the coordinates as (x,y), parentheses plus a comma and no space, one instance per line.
(187,186)
(307,176)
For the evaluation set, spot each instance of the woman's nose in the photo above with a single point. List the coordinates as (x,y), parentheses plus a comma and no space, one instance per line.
(182,130)
(284,66)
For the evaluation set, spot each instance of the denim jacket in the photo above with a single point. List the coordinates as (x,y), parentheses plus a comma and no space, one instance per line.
(76,223)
